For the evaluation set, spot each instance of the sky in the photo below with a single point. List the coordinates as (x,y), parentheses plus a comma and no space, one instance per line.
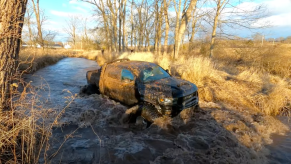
(58,11)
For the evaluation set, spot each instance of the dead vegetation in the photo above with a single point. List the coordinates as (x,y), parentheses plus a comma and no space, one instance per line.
(32,59)
(25,129)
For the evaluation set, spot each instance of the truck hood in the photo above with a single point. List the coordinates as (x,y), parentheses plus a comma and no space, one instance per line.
(169,87)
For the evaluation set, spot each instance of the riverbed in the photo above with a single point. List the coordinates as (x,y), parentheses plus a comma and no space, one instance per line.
(100,132)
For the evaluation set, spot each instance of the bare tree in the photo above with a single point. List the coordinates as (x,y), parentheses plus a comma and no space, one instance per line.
(131,24)
(220,5)
(28,22)
(49,37)
(167,24)
(85,37)
(11,23)
(149,24)
(141,24)
(124,40)
(72,25)
(101,10)
(39,21)
(234,17)
(113,8)
(182,24)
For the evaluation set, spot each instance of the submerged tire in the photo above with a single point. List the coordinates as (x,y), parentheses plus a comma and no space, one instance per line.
(149,112)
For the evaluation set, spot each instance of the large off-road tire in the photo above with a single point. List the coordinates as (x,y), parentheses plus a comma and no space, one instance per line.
(149,112)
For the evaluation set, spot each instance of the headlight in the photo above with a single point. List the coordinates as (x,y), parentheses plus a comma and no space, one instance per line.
(164,100)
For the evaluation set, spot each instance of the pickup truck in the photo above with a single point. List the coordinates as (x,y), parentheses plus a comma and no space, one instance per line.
(145,84)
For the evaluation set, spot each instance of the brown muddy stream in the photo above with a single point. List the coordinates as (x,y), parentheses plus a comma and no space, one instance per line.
(98,134)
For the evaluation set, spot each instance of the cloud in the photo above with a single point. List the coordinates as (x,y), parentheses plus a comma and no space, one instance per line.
(82,4)
(64,14)
(52,26)
(75,7)
(80,9)
(280,12)
(278,6)
(278,20)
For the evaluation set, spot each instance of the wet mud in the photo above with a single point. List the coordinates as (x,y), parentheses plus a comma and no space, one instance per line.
(96,129)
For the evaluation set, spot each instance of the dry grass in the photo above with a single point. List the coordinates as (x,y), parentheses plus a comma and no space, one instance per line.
(26,128)
(31,60)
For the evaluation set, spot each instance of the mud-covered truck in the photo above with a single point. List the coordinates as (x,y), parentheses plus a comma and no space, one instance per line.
(145,84)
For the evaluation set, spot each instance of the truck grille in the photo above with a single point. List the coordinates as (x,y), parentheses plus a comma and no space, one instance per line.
(188,101)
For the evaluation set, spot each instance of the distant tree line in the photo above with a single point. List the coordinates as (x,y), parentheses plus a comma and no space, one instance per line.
(156,24)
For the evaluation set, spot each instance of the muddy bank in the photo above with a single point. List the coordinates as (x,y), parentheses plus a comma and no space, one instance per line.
(95,129)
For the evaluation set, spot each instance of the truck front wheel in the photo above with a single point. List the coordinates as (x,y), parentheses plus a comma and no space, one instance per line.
(149,112)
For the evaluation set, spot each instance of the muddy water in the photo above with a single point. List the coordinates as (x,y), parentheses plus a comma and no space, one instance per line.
(94,129)
(280,149)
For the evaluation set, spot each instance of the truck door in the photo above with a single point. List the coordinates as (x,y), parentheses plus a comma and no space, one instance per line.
(112,82)
(128,87)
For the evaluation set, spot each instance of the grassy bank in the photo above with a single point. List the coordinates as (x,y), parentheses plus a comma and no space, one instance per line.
(33,59)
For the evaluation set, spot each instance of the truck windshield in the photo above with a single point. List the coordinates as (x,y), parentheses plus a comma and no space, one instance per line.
(153,74)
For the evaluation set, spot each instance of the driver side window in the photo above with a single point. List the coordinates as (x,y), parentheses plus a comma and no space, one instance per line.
(126,76)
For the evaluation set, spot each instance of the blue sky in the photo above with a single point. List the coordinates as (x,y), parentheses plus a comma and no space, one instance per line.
(58,12)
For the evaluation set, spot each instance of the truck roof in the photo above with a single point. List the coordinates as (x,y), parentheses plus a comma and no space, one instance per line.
(134,65)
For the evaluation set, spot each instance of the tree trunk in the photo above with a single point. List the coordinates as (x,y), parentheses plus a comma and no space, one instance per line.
(194,22)
(37,16)
(141,26)
(185,19)
(167,26)
(160,31)
(120,21)
(27,19)
(220,6)
(176,46)
(11,23)
(213,36)
(131,22)
(156,27)
(124,40)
